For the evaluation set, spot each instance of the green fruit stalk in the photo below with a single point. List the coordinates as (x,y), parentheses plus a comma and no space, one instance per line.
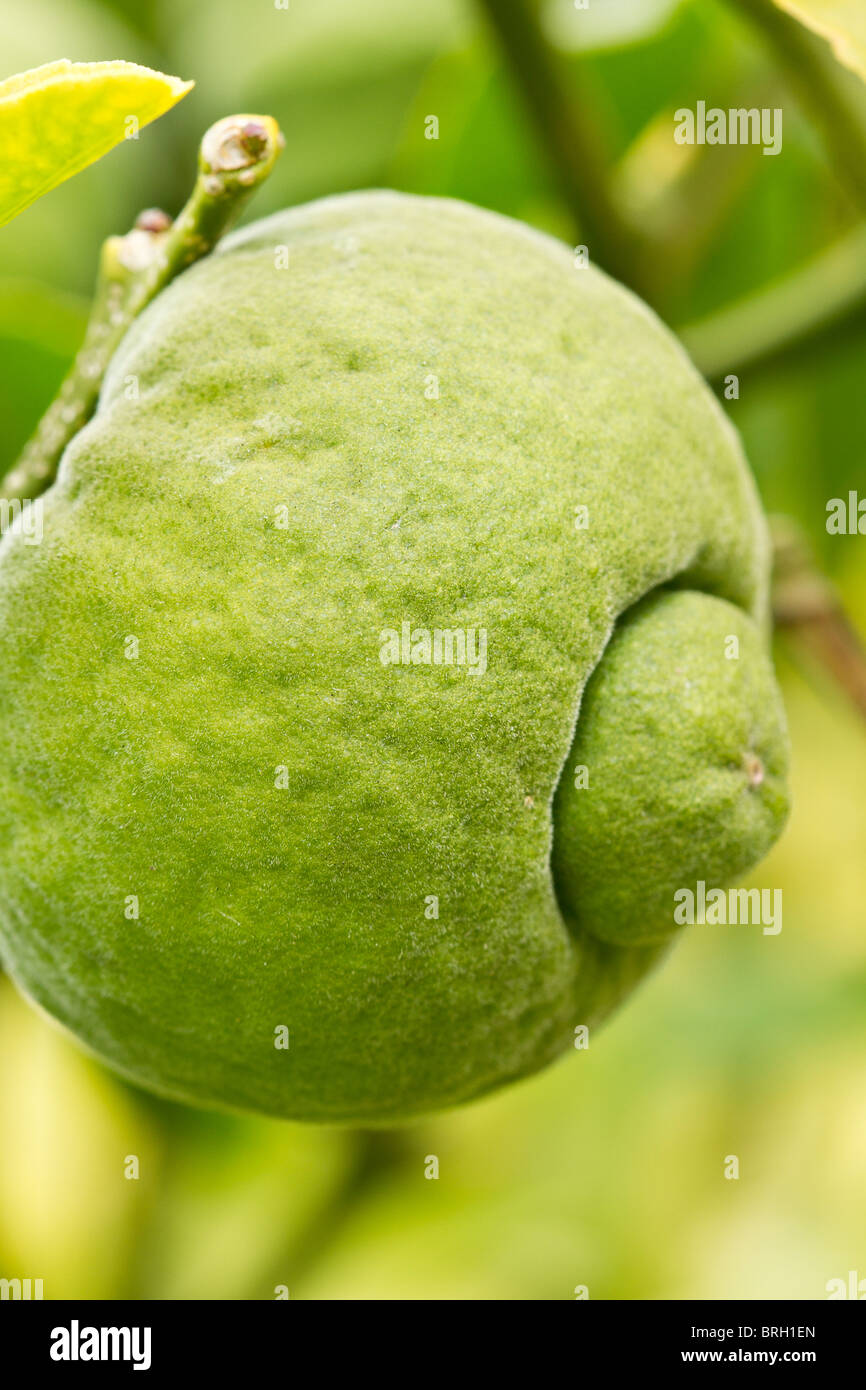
(391,520)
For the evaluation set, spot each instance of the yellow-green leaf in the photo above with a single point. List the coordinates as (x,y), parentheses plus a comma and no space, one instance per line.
(57,119)
(841,22)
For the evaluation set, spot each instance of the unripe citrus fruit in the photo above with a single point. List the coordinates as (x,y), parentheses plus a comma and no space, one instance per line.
(391,520)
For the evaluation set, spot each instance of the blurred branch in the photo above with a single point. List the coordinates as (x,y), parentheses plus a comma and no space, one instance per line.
(808,610)
(570,138)
(835,97)
(378,1155)
(235,157)
(756,330)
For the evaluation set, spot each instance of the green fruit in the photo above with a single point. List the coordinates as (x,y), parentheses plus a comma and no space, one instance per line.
(205,706)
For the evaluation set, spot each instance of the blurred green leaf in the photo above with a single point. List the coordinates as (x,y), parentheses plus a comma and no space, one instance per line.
(42,316)
(841,22)
(68,1211)
(40,331)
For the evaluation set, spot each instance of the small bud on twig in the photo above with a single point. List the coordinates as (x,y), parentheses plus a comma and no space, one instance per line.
(236,155)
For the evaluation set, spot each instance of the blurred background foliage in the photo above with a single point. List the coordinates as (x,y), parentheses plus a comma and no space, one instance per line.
(608,1170)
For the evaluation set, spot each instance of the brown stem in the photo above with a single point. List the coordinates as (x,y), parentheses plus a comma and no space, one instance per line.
(807,608)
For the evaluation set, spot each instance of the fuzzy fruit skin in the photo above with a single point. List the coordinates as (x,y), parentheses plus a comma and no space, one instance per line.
(686,687)
(259,630)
